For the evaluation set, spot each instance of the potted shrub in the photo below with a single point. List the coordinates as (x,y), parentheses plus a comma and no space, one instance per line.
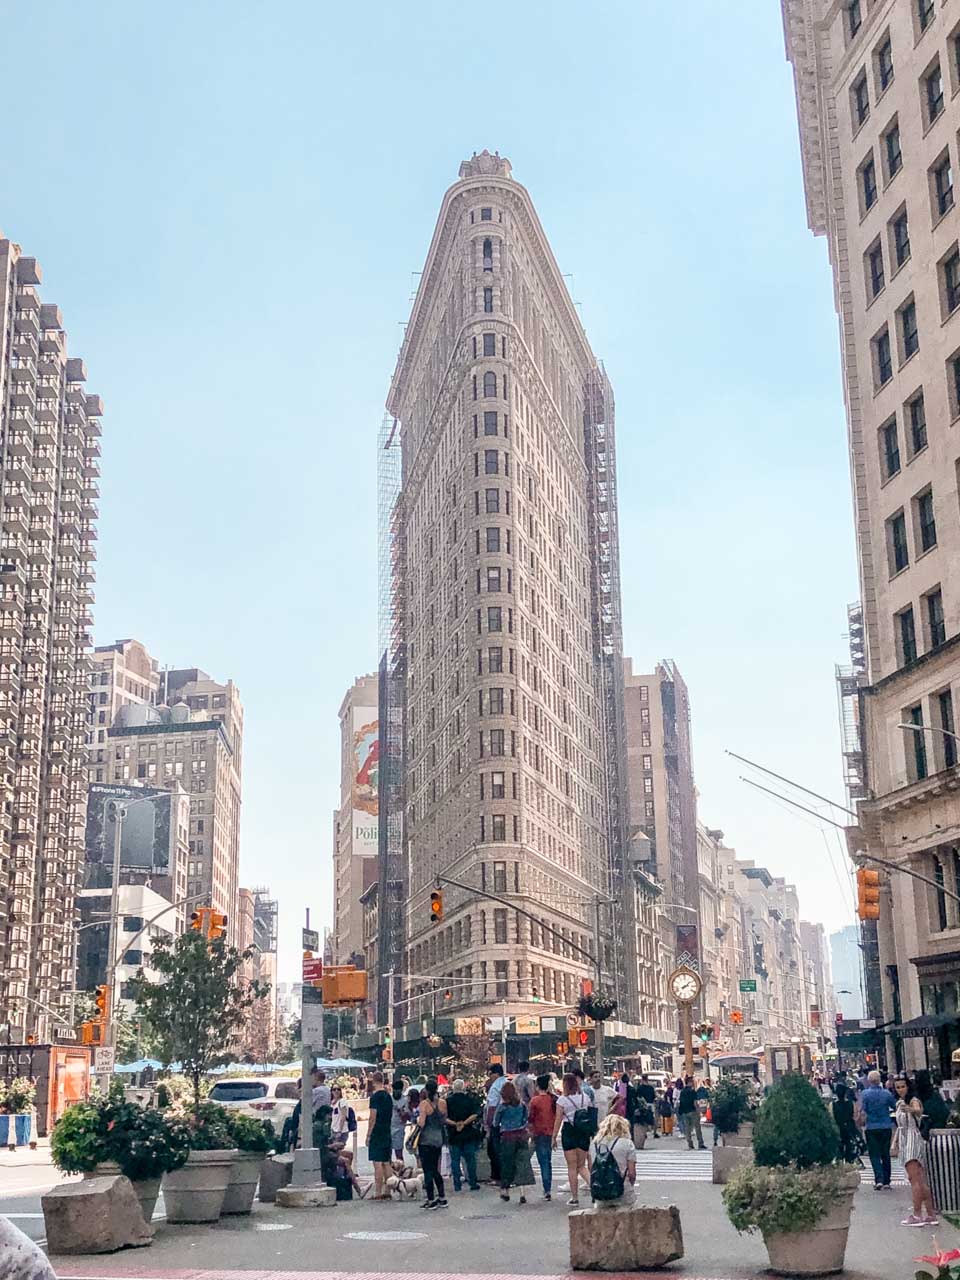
(732,1114)
(795,1194)
(195,1191)
(103,1136)
(253,1139)
(16,1112)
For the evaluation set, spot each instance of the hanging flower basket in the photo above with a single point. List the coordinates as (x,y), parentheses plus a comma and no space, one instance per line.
(598,1005)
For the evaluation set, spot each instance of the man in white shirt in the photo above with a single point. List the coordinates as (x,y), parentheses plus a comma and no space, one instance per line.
(603,1095)
(321,1090)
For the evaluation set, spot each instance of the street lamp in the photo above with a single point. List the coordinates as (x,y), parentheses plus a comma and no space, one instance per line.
(930,728)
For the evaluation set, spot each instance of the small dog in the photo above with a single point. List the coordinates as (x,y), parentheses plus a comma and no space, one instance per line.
(404,1183)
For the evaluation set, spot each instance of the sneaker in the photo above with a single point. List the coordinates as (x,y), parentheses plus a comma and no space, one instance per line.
(428,1204)
(476,1188)
(439,1204)
(523,1200)
(574,1201)
(931,1222)
(546,1195)
(913,1221)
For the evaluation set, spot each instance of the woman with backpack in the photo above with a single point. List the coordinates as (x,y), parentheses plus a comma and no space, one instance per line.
(573,1124)
(613,1168)
(432,1123)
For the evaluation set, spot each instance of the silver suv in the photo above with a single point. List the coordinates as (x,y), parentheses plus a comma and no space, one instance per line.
(262,1097)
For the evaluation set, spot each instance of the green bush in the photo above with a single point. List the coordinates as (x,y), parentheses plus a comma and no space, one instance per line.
(18,1096)
(776,1200)
(141,1141)
(207,1128)
(730,1106)
(79,1139)
(251,1135)
(794,1128)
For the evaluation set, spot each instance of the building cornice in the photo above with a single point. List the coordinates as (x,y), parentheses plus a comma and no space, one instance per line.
(802,35)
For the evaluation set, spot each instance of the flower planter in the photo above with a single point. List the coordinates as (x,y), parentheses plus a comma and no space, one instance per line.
(743,1137)
(15,1130)
(726,1161)
(943,1168)
(147,1190)
(242,1187)
(195,1192)
(820,1250)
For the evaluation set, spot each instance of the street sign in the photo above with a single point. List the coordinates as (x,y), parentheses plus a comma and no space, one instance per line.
(311,1024)
(312,970)
(573,1019)
(311,940)
(527,1026)
(548,1024)
(748,984)
(104,1059)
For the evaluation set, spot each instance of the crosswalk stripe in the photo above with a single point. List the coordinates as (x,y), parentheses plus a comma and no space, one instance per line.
(668,1165)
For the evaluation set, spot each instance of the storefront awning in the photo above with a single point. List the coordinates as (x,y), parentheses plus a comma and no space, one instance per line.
(928,1024)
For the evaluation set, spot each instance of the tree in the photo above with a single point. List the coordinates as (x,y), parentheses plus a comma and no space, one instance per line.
(260,1040)
(472,1054)
(199,1007)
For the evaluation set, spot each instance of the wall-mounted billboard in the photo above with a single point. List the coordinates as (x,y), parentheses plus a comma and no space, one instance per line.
(364,801)
(145,835)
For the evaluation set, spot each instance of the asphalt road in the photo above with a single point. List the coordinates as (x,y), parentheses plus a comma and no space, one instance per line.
(477,1234)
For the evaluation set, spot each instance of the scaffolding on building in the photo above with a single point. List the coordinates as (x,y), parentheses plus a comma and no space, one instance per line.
(599,446)
(392,671)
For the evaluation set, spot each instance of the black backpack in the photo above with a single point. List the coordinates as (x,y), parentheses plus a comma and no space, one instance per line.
(606,1180)
(585,1121)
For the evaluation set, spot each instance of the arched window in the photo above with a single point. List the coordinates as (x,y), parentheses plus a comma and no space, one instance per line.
(488,255)
(489,384)
(941,896)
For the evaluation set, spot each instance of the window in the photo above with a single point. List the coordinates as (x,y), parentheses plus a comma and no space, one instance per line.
(901,238)
(936,627)
(491,462)
(926,522)
(496,742)
(488,255)
(953,365)
(916,744)
(897,543)
(490,422)
(883,358)
(907,636)
(925,11)
(909,333)
(489,384)
(493,539)
(889,449)
(501,979)
(945,707)
(494,618)
(486,215)
(875,269)
(854,18)
(951,282)
(933,86)
(492,501)
(488,301)
(493,578)
(489,344)
(891,142)
(918,424)
(499,828)
(941,897)
(497,792)
(861,100)
(495,702)
(494,659)
(943,185)
(868,181)
(884,57)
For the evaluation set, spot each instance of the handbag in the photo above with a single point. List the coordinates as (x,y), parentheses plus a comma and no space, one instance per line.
(412,1144)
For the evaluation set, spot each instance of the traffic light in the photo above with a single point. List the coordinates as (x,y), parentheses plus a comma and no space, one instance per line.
(198,918)
(736,1017)
(102,1001)
(216,925)
(436,906)
(868,894)
(535,995)
(448,995)
(562,1049)
(583,1037)
(703,1031)
(91,1033)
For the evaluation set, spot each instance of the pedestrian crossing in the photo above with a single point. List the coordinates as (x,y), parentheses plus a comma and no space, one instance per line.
(670,1161)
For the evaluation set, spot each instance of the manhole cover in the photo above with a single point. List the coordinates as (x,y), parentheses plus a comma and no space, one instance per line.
(272,1226)
(384,1235)
(481,1217)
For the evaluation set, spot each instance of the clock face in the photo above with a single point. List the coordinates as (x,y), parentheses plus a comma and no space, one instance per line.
(685,987)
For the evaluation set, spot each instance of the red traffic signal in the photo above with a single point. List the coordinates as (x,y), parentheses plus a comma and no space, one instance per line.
(583,1037)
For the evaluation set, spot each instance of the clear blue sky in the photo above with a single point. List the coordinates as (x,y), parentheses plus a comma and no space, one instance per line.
(229,200)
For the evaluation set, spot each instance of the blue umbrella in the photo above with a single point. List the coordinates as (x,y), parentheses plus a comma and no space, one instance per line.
(133,1068)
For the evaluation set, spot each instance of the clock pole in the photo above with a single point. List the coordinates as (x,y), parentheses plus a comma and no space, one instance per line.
(686,1016)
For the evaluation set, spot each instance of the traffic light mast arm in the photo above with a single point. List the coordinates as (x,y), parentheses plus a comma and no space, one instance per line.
(483,893)
(172,906)
(867,857)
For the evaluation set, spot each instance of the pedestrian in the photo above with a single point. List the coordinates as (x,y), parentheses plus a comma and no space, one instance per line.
(665,1112)
(935,1109)
(432,1120)
(645,1091)
(320,1090)
(511,1119)
(543,1115)
(378,1136)
(464,1133)
(908,1143)
(495,1082)
(340,1119)
(573,1124)
(613,1165)
(689,1115)
(641,1116)
(524,1083)
(585,1086)
(398,1120)
(845,1120)
(603,1094)
(878,1104)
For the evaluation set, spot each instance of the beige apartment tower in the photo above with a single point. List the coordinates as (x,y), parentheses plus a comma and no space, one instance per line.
(507,621)
(876,87)
(49,434)
(356,821)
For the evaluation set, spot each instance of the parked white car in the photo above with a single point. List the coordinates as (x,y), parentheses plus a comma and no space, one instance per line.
(262,1097)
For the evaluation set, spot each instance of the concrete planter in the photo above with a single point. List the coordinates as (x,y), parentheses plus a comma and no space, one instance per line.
(147,1190)
(242,1187)
(727,1159)
(819,1251)
(742,1138)
(195,1192)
